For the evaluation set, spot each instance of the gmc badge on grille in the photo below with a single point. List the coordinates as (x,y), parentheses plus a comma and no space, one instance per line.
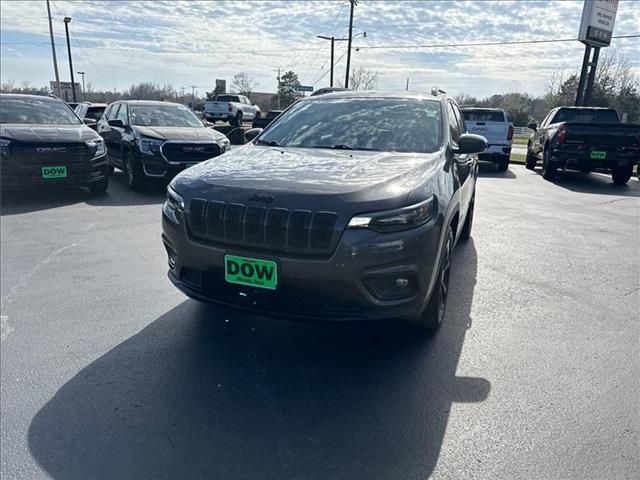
(266,199)
(193,149)
(51,149)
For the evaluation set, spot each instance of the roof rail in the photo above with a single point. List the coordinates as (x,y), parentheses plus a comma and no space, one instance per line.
(435,91)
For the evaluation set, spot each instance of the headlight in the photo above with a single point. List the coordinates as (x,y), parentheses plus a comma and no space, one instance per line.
(98,145)
(224,144)
(173,207)
(396,220)
(4,143)
(149,146)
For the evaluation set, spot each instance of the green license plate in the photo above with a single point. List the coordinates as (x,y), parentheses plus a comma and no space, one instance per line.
(54,172)
(251,272)
(598,155)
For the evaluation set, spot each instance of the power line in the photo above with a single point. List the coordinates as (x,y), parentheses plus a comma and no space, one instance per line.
(483,44)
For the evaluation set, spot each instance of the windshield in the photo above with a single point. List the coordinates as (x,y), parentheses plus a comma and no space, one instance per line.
(383,124)
(483,115)
(164,116)
(227,98)
(95,112)
(37,111)
(586,116)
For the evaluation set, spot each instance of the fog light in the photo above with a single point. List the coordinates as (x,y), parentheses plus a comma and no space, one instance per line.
(171,257)
(391,287)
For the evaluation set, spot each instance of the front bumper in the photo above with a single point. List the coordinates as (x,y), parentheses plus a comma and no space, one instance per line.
(81,174)
(333,288)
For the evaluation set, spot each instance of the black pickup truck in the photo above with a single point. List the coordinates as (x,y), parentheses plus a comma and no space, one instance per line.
(584,139)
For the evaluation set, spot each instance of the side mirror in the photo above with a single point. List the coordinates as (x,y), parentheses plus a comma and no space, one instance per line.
(471,143)
(116,123)
(252,133)
(89,121)
(533,126)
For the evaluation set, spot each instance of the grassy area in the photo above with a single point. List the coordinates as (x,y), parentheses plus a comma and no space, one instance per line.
(517,158)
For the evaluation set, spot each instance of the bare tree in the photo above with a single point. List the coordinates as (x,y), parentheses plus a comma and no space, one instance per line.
(361,79)
(243,83)
(465,99)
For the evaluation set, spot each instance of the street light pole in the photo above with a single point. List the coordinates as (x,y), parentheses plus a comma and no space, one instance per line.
(67,20)
(84,92)
(333,42)
(53,51)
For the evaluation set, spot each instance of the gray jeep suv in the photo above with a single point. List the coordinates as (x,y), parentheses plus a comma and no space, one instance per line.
(347,206)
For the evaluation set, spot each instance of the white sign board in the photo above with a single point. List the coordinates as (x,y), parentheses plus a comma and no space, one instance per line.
(598,17)
(66,90)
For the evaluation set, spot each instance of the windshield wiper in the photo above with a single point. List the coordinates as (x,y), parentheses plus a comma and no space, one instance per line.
(344,146)
(271,143)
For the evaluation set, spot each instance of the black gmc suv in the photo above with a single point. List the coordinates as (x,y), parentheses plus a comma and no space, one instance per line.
(585,139)
(156,139)
(347,206)
(43,143)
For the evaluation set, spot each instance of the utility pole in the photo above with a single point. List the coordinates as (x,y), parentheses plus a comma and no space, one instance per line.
(407,89)
(346,77)
(278,88)
(84,92)
(67,20)
(53,50)
(333,41)
(182,91)
(193,91)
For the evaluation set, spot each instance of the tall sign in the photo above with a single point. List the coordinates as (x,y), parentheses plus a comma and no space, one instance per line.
(596,31)
(598,18)
(65,89)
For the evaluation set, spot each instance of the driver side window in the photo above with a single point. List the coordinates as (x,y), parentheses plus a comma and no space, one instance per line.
(122,114)
(454,127)
(112,112)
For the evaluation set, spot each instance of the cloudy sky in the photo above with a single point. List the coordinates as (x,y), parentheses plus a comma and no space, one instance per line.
(182,43)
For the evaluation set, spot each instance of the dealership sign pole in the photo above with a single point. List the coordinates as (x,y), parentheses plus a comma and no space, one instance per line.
(596,29)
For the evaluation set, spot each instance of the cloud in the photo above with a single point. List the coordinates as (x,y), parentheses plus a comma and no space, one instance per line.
(193,43)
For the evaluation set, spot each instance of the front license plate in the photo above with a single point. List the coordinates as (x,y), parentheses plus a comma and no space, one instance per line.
(54,172)
(598,155)
(252,272)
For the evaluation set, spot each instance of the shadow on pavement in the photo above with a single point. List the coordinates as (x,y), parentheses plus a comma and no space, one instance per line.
(15,201)
(195,396)
(490,170)
(599,183)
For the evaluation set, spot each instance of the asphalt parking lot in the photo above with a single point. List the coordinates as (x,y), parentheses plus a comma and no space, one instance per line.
(109,372)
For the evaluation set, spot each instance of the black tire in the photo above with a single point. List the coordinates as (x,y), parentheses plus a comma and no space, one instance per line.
(465,235)
(621,174)
(257,115)
(531,160)
(433,314)
(237,121)
(100,187)
(503,165)
(111,169)
(549,170)
(134,171)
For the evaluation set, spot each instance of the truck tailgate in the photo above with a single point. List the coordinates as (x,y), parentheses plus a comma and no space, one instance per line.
(603,134)
(216,107)
(494,132)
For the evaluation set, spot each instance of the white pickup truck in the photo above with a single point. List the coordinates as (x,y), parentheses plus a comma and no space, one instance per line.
(492,124)
(232,108)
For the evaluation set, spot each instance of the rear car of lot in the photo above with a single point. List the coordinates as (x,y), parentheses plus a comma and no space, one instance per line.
(108,372)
